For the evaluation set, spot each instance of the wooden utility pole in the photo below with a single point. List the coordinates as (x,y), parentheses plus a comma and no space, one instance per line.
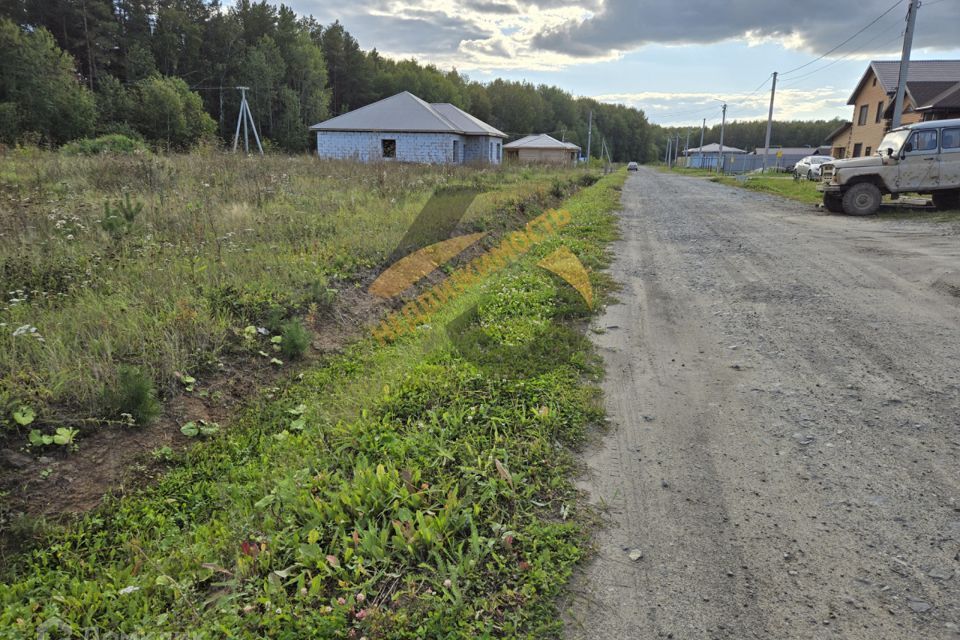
(904,63)
(766,143)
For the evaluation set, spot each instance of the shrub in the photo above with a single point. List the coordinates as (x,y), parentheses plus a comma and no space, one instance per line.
(296,339)
(112,143)
(588,179)
(557,189)
(133,394)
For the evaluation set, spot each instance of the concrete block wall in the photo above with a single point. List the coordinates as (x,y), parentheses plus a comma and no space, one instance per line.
(483,149)
(427,148)
(365,146)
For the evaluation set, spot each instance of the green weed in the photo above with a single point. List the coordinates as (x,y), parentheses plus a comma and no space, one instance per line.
(295,339)
(133,394)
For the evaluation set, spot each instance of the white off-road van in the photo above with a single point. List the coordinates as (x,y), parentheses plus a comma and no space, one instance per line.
(920,158)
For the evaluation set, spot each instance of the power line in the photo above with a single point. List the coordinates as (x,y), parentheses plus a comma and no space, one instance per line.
(792,81)
(872,22)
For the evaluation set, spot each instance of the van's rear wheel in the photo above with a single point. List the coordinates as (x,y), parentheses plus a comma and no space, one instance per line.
(833,203)
(862,199)
(946,200)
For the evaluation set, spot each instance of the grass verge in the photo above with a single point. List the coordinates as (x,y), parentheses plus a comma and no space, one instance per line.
(785,186)
(408,491)
(805,191)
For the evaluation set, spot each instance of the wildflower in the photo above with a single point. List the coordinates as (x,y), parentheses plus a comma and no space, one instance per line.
(341,601)
(447,583)
(361,614)
(361,597)
(24,330)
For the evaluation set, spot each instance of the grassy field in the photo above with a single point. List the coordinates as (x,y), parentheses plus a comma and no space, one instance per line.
(415,490)
(129,279)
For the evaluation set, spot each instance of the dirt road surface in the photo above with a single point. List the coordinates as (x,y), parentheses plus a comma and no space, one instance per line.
(784,451)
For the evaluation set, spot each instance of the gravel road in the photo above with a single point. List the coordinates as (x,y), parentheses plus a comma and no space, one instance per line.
(784,395)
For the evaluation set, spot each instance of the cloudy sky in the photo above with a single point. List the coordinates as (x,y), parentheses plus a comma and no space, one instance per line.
(676,59)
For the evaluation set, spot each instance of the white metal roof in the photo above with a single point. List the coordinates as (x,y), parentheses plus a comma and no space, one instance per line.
(405,112)
(541,141)
(713,147)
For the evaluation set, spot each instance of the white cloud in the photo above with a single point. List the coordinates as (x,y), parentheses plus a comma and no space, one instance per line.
(689,108)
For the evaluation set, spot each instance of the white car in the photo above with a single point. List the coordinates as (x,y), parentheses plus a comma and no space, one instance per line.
(633,166)
(809,167)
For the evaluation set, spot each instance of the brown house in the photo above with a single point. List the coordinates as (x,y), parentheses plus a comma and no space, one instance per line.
(932,87)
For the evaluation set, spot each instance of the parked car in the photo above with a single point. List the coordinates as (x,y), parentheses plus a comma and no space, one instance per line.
(809,167)
(918,158)
(633,166)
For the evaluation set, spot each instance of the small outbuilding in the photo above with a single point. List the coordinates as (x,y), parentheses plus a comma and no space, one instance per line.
(542,148)
(404,128)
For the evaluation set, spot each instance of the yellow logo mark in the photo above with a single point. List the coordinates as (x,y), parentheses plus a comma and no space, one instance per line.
(566,265)
(412,268)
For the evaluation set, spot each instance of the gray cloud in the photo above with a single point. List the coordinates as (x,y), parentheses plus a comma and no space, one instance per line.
(412,31)
(591,5)
(628,24)
(491,6)
(487,47)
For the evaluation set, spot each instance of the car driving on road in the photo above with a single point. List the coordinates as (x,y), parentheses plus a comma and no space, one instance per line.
(633,166)
(918,158)
(809,167)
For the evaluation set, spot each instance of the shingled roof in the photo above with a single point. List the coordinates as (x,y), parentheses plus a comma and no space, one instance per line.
(405,112)
(925,94)
(888,74)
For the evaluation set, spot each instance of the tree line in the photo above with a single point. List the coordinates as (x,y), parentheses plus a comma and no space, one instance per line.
(751,134)
(165,71)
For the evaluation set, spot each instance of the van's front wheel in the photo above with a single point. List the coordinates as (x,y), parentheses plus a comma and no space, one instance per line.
(862,199)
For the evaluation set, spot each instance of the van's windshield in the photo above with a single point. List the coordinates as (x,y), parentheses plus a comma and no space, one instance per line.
(893,140)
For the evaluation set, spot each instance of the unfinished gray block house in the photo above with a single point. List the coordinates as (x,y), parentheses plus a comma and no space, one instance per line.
(404,128)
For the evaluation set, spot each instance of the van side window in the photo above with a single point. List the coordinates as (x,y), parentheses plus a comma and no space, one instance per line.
(951,139)
(922,141)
